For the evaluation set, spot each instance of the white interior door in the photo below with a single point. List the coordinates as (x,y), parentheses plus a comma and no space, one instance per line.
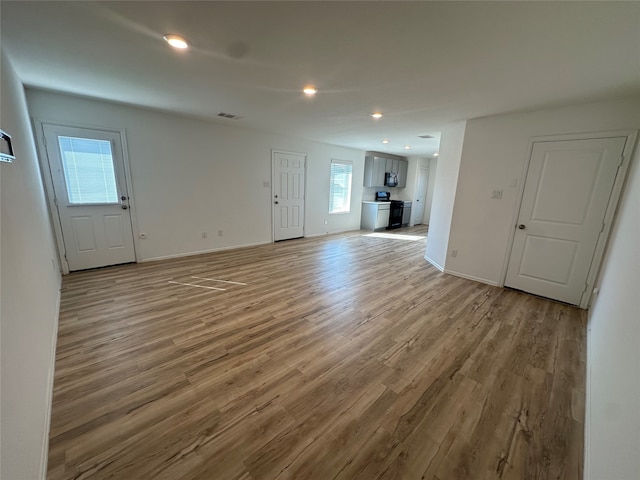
(421,195)
(564,202)
(288,195)
(88,177)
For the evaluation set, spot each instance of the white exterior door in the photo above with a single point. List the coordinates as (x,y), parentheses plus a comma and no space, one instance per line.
(421,195)
(288,195)
(564,202)
(88,177)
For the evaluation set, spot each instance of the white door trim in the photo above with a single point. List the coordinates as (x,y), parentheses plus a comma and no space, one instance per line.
(304,195)
(45,173)
(611,207)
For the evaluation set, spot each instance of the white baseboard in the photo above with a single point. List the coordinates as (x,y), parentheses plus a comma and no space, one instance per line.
(587,408)
(44,456)
(333,232)
(232,247)
(201,252)
(434,263)
(321,234)
(472,277)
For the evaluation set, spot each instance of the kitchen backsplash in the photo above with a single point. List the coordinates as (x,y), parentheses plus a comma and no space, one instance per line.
(369,193)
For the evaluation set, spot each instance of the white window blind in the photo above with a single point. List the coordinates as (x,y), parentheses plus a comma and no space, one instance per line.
(88,170)
(340,186)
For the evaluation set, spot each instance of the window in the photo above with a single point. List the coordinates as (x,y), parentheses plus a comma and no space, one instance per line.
(88,170)
(340,186)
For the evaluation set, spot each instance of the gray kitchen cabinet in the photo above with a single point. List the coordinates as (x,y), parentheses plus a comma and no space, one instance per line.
(375,215)
(376,166)
(406,213)
(374,170)
(382,218)
(403,167)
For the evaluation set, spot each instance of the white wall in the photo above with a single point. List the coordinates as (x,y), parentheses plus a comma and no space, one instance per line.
(444,193)
(613,362)
(29,297)
(192,176)
(493,156)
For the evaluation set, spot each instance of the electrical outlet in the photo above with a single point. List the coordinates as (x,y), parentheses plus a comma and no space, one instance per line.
(496,195)
(266,184)
(204,235)
(142,235)
(219,233)
(454,253)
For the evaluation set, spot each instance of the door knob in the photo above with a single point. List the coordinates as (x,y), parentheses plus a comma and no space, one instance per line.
(521,227)
(276,203)
(123,198)
(124,207)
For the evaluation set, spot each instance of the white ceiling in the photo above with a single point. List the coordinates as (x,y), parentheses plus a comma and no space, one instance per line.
(423,64)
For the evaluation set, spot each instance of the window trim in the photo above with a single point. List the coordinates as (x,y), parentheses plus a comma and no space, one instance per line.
(341,162)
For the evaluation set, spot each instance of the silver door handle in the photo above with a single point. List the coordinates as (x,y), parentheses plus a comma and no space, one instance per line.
(124,207)
(521,227)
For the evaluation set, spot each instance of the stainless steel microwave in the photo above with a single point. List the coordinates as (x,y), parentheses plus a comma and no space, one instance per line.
(390,179)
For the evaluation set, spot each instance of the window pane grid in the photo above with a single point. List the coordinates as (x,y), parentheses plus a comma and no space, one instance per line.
(340,187)
(88,170)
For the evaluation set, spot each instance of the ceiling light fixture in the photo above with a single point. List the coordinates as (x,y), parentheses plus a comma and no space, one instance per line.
(385,141)
(176,41)
(376,115)
(407,147)
(436,154)
(310,90)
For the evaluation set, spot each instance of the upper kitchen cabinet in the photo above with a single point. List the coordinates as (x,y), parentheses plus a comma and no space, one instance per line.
(374,170)
(403,167)
(376,165)
(389,167)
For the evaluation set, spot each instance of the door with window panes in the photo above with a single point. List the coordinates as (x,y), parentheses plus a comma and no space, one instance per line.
(91,197)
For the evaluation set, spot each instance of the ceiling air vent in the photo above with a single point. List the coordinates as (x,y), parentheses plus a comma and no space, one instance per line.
(228,115)
(426,136)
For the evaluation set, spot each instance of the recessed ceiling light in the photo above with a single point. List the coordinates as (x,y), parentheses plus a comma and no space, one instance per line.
(407,147)
(385,141)
(176,41)
(376,115)
(436,154)
(310,90)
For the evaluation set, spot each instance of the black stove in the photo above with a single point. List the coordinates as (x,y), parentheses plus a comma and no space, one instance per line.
(395,212)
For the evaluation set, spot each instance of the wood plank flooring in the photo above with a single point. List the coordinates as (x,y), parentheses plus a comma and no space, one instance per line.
(341,357)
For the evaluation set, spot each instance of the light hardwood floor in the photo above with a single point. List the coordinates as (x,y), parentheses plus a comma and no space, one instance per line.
(343,357)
